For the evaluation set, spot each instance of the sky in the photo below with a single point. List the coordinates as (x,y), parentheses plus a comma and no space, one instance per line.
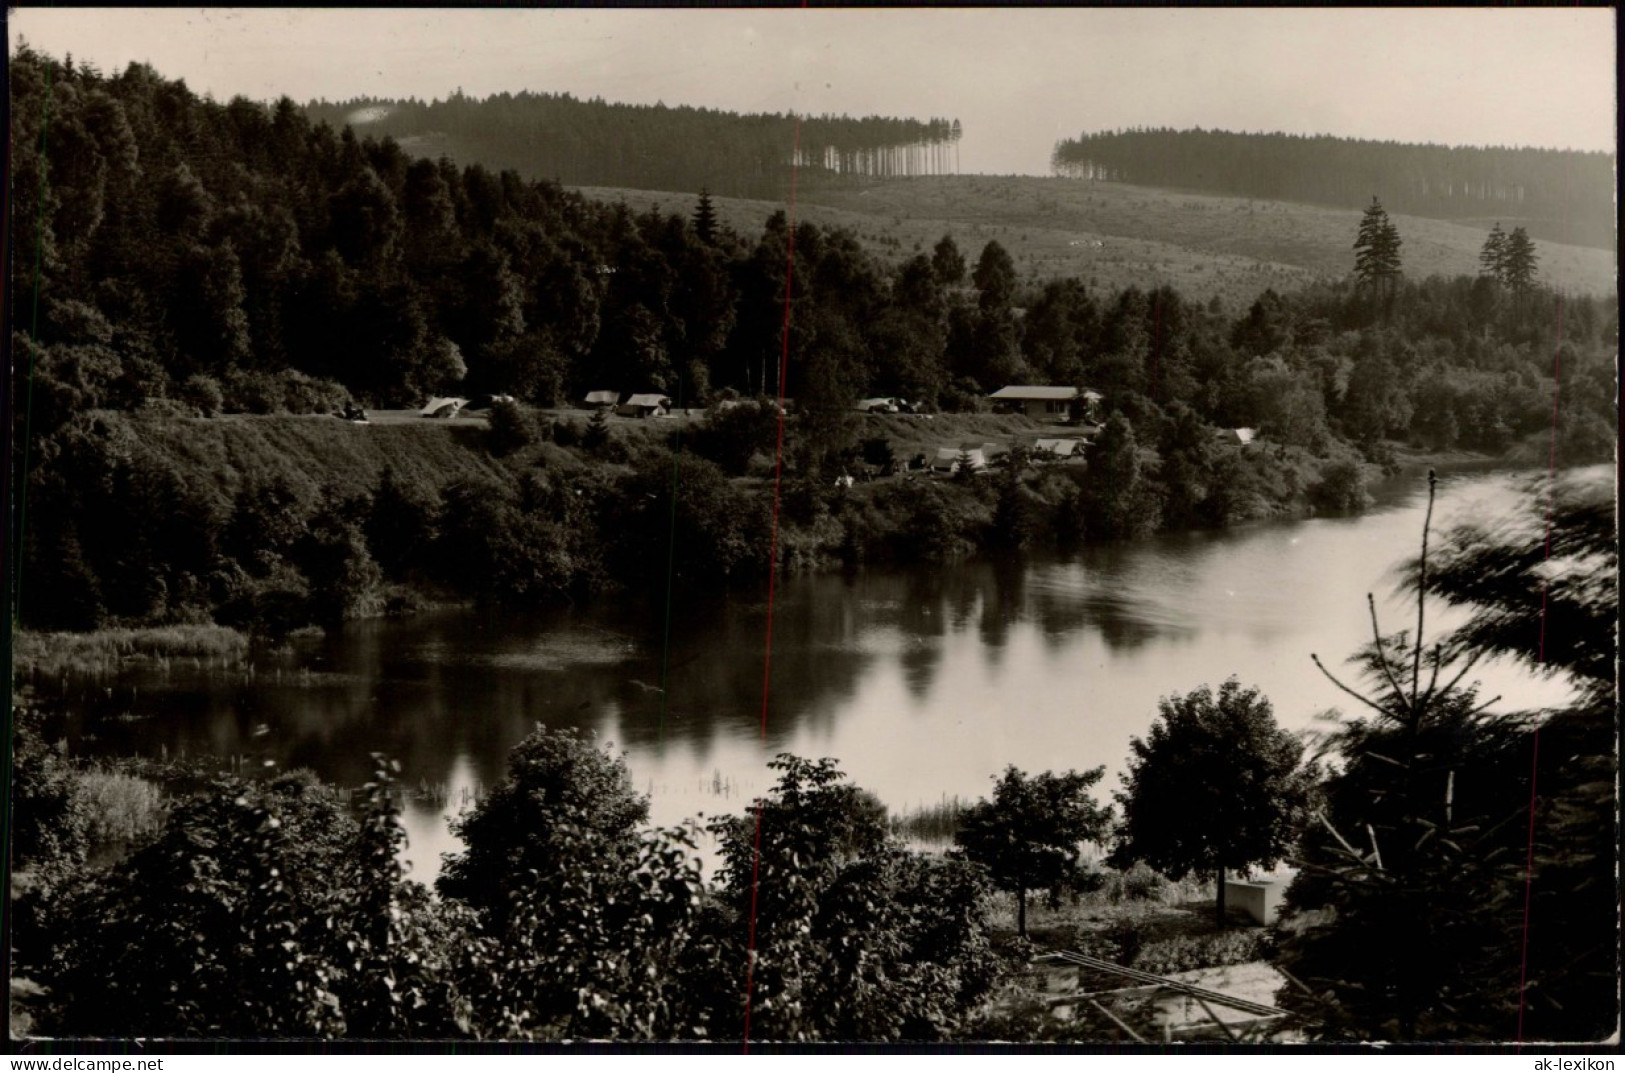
(1017,79)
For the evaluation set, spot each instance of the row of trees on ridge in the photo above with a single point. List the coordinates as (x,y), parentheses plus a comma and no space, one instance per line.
(1560,195)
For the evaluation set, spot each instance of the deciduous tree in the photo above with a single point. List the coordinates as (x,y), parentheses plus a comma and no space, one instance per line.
(844,934)
(1029,835)
(1215,787)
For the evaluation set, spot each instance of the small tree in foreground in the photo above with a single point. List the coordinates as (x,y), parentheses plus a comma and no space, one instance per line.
(834,930)
(583,912)
(1215,787)
(1441,897)
(566,804)
(1028,836)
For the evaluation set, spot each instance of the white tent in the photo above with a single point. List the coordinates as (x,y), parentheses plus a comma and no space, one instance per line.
(1061,449)
(442,407)
(646,405)
(1236,436)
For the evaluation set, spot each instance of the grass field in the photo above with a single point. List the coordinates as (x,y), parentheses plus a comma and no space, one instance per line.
(220,454)
(1113,235)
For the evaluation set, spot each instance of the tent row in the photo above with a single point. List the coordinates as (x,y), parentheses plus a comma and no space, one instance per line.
(979,456)
(637,404)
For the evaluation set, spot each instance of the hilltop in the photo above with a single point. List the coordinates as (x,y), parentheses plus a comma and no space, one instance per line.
(1557,194)
(1114,235)
(551,136)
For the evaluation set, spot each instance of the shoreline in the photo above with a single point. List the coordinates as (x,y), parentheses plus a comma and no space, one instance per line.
(38,654)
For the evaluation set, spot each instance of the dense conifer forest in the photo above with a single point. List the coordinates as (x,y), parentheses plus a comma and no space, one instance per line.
(1558,195)
(652,147)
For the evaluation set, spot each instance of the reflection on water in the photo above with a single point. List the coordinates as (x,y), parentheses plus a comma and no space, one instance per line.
(923,683)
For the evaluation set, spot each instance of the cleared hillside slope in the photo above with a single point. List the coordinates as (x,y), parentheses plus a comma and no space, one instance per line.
(1115,235)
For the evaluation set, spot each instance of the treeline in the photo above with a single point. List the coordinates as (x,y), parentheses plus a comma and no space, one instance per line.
(1558,195)
(653,147)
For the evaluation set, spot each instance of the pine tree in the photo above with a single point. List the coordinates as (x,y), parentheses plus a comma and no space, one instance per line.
(1492,258)
(705,218)
(1518,262)
(1376,251)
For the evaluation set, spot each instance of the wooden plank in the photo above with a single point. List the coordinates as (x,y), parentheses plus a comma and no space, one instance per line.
(1181,986)
(1116,1021)
(1209,1011)
(1116,992)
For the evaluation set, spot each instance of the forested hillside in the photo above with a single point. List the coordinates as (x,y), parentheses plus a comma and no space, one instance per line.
(188,259)
(651,147)
(1559,195)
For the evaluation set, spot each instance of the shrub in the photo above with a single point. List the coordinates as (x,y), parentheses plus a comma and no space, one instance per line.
(941,522)
(50,823)
(154,406)
(302,394)
(122,807)
(205,393)
(877,451)
(246,391)
(1183,953)
(684,502)
(513,428)
(565,432)
(268,606)
(402,524)
(567,802)
(345,581)
(1139,883)
(857,939)
(1341,487)
(730,436)
(211,929)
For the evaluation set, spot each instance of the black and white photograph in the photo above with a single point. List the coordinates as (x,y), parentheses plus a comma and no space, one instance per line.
(782,529)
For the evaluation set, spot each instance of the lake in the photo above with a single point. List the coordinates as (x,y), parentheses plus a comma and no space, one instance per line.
(924,683)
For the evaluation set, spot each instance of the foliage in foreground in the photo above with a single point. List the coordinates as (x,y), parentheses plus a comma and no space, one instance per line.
(266,908)
(835,931)
(1459,881)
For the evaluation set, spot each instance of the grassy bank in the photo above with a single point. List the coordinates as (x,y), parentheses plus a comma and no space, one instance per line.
(221,454)
(267,524)
(48,655)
